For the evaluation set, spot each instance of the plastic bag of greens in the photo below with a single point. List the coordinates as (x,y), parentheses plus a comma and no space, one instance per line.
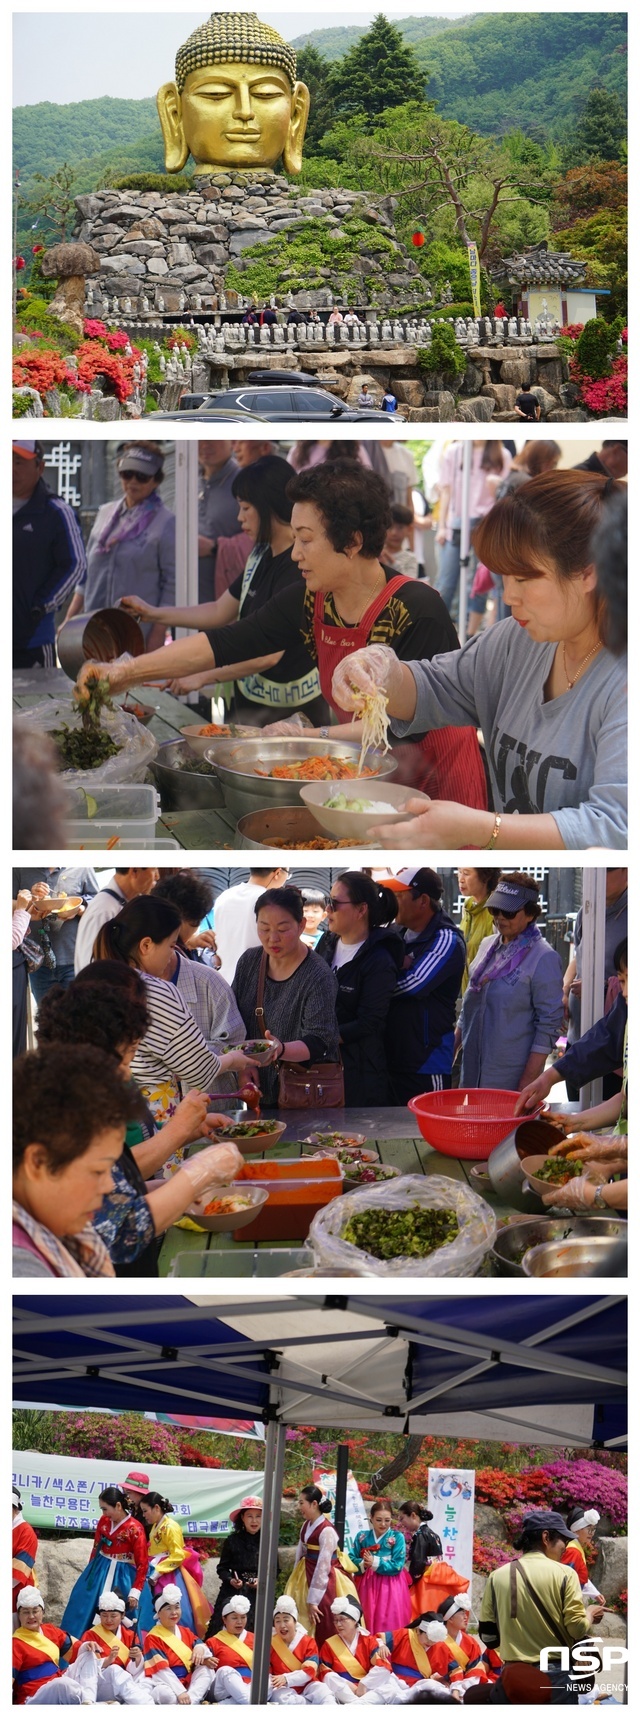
(415,1226)
(135,745)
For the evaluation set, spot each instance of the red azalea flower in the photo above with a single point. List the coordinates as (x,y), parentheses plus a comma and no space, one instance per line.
(36,248)
(19,262)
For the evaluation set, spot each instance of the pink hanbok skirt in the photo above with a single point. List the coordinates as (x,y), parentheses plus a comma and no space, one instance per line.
(385,1600)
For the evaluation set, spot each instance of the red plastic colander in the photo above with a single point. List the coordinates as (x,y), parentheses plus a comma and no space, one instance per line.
(465,1123)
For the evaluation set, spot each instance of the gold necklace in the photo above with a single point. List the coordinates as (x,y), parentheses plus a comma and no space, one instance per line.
(571,683)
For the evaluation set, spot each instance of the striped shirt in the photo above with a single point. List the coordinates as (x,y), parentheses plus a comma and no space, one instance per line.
(213,1006)
(173,1051)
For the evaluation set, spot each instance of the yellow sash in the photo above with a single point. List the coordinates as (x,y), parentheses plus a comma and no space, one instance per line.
(457,1651)
(419,1654)
(111,1640)
(178,1645)
(40,1642)
(244,1651)
(285,1654)
(346,1658)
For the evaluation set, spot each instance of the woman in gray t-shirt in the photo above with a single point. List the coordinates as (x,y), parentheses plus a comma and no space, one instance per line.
(549,697)
(300,991)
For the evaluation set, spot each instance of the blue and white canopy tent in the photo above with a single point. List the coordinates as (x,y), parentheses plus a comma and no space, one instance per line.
(546,1368)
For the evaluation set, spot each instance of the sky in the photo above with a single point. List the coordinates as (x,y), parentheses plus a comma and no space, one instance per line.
(79,56)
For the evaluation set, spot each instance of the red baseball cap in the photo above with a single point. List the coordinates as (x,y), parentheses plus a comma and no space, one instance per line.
(28,449)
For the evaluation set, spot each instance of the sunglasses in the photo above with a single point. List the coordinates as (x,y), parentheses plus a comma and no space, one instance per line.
(135,477)
(499,912)
(334,905)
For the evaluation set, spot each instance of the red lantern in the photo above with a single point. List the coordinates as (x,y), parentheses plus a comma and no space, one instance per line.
(19,263)
(417,238)
(36,249)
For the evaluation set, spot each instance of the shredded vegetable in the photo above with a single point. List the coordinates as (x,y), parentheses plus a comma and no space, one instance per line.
(371,710)
(315,769)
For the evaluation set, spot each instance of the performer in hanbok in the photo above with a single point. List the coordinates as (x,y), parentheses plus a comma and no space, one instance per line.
(353,1659)
(294,1660)
(317,1577)
(39,1649)
(170,1563)
(25,1545)
(582,1522)
(382,1583)
(467,1651)
(118,1563)
(121,1677)
(418,1658)
(233,1647)
(179,1668)
(432,1578)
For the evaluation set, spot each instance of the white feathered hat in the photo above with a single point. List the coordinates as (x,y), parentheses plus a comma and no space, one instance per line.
(112,1601)
(29,1598)
(287,1606)
(169,1595)
(242,1605)
(435,1631)
(347,1607)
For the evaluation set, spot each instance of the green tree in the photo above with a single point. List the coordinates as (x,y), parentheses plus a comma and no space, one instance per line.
(601,130)
(53,200)
(315,71)
(378,73)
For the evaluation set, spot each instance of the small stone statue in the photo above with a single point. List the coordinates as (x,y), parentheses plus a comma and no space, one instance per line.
(513,328)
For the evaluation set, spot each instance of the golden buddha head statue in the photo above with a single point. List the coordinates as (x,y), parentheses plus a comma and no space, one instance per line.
(235,102)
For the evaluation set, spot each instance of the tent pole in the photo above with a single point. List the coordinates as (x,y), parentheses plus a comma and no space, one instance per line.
(593,961)
(340,1511)
(465,539)
(268,1559)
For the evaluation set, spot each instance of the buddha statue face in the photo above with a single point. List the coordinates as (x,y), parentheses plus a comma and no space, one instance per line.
(235,102)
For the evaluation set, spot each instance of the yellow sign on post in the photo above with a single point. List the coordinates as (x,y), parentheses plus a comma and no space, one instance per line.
(474,271)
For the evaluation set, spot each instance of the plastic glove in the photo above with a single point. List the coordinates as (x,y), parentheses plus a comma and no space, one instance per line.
(292,728)
(216,1166)
(579,1194)
(141,610)
(117,673)
(375,668)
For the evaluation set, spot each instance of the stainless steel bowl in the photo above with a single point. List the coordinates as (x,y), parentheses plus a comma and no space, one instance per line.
(530,1136)
(98,637)
(279,826)
(180,789)
(511,1243)
(574,1257)
(236,761)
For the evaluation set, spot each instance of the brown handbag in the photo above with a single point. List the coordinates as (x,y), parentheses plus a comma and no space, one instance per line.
(302,1084)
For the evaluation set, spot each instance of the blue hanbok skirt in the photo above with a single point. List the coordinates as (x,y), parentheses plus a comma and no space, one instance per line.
(102,1574)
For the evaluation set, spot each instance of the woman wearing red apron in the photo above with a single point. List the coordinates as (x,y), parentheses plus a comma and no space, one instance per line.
(345,599)
(317,1576)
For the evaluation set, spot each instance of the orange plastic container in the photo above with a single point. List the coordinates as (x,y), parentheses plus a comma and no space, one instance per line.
(297,1190)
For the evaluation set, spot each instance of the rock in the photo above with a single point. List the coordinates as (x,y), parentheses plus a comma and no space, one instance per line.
(58,1564)
(35,407)
(504,396)
(562,415)
(546,400)
(179,255)
(409,393)
(109,236)
(68,303)
(88,206)
(479,410)
(210,1581)
(488,1523)
(473,378)
(446,406)
(157,266)
(286,1558)
(611,1626)
(356,384)
(124,263)
(213,255)
(550,372)
(142,247)
(150,227)
(515,371)
(610,1573)
(478,1583)
(240,241)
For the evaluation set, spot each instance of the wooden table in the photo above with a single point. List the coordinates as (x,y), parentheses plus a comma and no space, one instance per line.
(392,1132)
(196,829)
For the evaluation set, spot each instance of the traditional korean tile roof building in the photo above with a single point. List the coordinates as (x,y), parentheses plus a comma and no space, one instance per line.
(551,278)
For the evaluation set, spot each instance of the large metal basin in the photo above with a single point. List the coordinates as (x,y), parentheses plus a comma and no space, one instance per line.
(98,637)
(182,790)
(245,791)
(511,1243)
(578,1256)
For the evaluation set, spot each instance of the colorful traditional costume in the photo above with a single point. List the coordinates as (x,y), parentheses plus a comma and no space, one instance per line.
(438,1582)
(317,1577)
(574,1557)
(344,1669)
(118,1563)
(25,1546)
(122,1682)
(168,1658)
(39,1649)
(234,1655)
(171,1563)
(413,1661)
(383,1589)
(296,1659)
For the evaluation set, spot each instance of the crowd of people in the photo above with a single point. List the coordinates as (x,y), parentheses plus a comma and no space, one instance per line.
(308,603)
(389,1622)
(153,995)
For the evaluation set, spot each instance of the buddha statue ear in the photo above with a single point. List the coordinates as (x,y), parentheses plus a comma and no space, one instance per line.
(176,148)
(292,152)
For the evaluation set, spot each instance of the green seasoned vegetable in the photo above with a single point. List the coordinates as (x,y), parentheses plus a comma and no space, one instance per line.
(86,746)
(194,766)
(412,1233)
(557,1171)
(245,1129)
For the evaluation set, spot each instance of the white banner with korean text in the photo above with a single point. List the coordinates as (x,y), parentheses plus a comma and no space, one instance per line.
(451,1500)
(62,1492)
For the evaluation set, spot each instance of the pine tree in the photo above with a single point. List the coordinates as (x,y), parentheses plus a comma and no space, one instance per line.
(601,130)
(379,72)
(315,71)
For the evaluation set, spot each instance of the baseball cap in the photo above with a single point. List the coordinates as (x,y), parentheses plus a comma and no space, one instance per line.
(28,449)
(419,879)
(511,896)
(546,1520)
(143,460)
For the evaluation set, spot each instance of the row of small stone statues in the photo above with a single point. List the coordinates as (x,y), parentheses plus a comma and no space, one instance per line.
(237,337)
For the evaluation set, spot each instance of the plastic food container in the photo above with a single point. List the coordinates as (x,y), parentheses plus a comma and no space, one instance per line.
(459,1257)
(245,1262)
(465,1124)
(297,1190)
(129,812)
